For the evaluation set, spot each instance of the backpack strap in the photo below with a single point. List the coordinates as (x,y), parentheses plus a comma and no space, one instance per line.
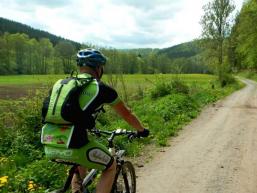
(74,72)
(85,81)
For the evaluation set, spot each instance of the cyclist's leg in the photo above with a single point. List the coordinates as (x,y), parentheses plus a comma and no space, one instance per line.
(106,180)
(77,179)
(104,185)
(97,153)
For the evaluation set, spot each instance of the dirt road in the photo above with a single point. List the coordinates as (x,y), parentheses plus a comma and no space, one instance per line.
(216,153)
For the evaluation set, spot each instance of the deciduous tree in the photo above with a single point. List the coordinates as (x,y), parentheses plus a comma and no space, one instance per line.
(216,27)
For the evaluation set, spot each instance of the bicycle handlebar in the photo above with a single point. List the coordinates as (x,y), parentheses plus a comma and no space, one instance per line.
(114,133)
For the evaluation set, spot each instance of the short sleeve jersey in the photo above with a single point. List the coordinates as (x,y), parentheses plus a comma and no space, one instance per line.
(91,99)
(95,95)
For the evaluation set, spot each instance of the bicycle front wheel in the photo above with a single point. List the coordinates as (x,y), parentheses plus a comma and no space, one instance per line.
(126,179)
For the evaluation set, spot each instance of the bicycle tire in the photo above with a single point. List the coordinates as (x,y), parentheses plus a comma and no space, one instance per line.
(126,179)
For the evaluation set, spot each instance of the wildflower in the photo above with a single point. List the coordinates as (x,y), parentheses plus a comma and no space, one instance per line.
(3,159)
(31,186)
(3,180)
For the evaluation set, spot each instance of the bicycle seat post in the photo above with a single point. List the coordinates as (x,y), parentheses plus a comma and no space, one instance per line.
(89,178)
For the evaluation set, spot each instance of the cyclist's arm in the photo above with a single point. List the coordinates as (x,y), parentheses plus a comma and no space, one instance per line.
(111,97)
(127,115)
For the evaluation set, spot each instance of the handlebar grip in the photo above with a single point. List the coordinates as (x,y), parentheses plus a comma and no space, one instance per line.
(132,136)
(144,133)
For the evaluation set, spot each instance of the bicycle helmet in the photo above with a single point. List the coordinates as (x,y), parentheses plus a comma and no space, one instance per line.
(90,57)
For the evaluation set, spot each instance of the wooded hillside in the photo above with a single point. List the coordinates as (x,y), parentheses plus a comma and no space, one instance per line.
(13,27)
(24,50)
(243,40)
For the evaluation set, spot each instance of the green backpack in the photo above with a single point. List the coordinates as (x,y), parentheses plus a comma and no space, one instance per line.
(62,105)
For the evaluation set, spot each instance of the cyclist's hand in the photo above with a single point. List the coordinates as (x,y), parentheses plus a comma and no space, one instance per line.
(144,133)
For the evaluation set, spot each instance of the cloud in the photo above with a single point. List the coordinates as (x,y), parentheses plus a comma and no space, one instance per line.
(115,23)
(28,4)
(147,5)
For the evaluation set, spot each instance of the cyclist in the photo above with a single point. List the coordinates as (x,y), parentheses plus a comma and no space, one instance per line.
(90,153)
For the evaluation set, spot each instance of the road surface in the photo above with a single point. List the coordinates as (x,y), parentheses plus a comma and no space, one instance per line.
(216,153)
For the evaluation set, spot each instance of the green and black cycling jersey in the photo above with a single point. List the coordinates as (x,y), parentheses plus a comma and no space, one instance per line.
(91,100)
(96,95)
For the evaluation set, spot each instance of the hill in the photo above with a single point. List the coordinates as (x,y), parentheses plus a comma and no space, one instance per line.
(16,27)
(184,50)
(182,58)
(186,57)
(141,51)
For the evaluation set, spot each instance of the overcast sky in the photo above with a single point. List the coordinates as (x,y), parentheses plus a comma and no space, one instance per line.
(113,23)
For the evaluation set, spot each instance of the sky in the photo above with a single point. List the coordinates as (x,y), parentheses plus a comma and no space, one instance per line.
(113,23)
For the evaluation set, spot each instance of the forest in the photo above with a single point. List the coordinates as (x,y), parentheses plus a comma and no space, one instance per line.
(242,52)
(35,52)
(230,42)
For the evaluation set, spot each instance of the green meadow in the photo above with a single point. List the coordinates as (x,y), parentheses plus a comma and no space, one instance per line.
(16,86)
(135,78)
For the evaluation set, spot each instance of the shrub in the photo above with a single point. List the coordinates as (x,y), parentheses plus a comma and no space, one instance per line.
(178,86)
(161,89)
(39,175)
(226,79)
(21,125)
(250,74)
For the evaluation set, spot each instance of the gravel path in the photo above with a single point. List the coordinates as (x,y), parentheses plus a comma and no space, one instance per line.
(216,153)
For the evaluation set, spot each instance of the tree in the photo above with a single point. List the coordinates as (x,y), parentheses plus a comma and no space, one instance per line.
(244,37)
(65,50)
(216,25)
(4,55)
(19,46)
(33,56)
(46,53)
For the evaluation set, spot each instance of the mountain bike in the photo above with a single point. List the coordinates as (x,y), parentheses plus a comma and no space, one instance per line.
(125,178)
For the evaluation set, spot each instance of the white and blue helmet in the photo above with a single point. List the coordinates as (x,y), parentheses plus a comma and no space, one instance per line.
(90,57)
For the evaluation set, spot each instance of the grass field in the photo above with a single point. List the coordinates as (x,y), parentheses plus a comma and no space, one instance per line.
(135,78)
(13,87)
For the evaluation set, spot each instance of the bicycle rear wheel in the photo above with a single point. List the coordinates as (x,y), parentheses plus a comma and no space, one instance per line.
(126,179)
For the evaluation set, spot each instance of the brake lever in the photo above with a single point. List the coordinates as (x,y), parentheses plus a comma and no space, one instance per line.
(132,136)
(96,132)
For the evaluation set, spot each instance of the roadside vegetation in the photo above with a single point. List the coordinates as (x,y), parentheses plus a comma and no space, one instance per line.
(248,74)
(165,104)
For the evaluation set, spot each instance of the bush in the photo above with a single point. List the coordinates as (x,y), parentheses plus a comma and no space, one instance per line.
(162,89)
(226,79)
(38,176)
(166,115)
(178,86)
(21,125)
(250,74)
